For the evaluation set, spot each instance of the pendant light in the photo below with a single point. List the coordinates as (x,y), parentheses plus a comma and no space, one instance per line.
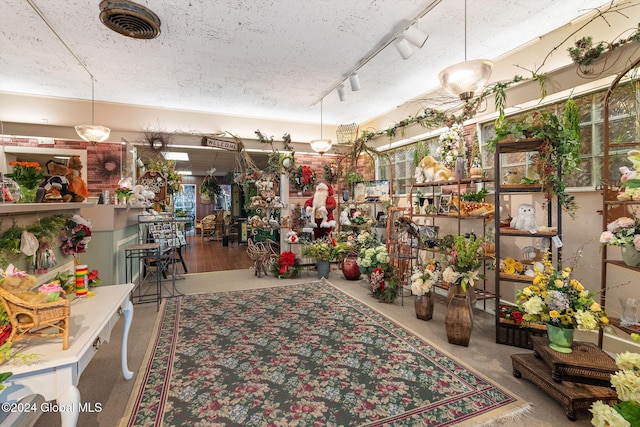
(467,78)
(93,133)
(321,145)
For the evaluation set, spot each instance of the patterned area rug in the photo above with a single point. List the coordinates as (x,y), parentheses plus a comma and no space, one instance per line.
(301,355)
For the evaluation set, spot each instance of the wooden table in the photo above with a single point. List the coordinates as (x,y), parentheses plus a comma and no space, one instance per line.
(55,373)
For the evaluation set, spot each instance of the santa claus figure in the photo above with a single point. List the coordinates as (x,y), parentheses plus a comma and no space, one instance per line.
(320,209)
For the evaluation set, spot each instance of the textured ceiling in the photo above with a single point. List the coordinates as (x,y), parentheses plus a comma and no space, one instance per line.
(268,59)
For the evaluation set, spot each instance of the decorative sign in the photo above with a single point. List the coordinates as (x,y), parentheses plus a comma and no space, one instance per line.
(155,182)
(219,143)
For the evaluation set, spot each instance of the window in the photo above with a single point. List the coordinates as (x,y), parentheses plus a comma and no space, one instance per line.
(403,164)
(624,128)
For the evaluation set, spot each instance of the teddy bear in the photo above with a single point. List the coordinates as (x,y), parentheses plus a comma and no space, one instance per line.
(429,170)
(76,183)
(57,186)
(525,219)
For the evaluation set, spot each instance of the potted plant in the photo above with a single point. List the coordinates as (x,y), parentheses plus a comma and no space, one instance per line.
(324,251)
(624,232)
(422,281)
(210,188)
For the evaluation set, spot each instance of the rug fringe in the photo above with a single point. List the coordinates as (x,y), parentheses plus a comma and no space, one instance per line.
(504,419)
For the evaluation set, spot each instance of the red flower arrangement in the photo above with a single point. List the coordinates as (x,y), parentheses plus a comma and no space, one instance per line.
(76,235)
(288,266)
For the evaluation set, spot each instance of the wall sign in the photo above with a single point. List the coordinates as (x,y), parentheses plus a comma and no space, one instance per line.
(219,143)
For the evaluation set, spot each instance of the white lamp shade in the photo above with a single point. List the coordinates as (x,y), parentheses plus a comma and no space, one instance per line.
(93,133)
(404,49)
(415,36)
(467,78)
(321,145)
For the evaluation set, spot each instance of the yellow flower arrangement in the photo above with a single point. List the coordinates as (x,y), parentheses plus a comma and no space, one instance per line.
(511,266)
(555,297)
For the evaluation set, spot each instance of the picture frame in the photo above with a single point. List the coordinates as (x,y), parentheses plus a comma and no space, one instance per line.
(444,201)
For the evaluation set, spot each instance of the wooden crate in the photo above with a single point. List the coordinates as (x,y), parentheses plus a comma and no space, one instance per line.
(510,333)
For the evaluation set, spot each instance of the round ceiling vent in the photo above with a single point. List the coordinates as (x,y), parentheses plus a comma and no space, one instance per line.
(130,19)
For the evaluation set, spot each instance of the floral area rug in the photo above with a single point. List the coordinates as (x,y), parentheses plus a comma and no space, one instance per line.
(301,355)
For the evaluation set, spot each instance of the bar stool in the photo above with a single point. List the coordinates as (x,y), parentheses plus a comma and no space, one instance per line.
(147,256)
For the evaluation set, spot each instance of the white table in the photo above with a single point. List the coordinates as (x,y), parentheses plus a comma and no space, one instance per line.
(56,372)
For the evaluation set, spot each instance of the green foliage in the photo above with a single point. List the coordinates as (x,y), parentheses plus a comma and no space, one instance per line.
(210,187)
(467,249)
(475,196)
(420,151)
(327,250)
(584,52)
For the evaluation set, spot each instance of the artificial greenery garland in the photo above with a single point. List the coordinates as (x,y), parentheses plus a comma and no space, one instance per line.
(44,228)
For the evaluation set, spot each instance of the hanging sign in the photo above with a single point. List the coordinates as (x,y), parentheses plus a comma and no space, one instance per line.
(219,143)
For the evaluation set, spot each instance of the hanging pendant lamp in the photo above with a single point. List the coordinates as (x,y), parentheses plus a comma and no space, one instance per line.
(467,78)
(93,133)
(321,145)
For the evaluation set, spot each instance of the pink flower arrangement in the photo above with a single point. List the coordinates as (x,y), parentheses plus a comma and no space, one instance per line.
(622,231)
(52,290)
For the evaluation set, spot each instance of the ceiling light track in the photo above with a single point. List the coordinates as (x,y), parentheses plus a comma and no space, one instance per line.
(375,51)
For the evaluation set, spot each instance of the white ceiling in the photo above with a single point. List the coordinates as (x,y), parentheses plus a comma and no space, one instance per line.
(264,59)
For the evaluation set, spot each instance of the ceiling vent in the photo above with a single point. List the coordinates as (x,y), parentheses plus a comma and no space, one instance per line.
(130,19)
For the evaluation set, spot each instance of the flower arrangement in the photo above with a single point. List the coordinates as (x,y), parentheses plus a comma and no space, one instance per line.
(26,174)
(303,178)
(622,231)
(464,261)
(558,299)
(514,267)
(452,145)
(424,277)
(626,381)
(94,278)
(246,178)
(76,235)
(359,218)
(288,266)
(324,250)
(52,290)
(371,258)
(384,284)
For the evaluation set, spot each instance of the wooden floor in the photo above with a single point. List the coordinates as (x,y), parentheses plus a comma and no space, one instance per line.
(204,255)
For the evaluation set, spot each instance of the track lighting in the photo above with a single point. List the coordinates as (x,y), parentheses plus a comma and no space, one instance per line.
(354,82)
(342,93)
(404,48)
(415,36)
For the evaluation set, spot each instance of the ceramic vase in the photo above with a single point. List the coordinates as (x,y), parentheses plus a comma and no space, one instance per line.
(424,306)
(350,268)
(630,255)
(561,339)
(323,269)
(458,320)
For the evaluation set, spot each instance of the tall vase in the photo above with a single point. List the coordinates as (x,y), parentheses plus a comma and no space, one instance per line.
(630,255)
(424,306)
(323,269)
(350,268)
(561,339)
(28,194)
(458,320)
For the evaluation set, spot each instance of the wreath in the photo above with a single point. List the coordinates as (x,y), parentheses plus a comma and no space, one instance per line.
(303,178)
(287,267)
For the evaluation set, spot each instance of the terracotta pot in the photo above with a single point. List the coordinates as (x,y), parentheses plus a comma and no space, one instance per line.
(350,268)
(458,320)
(424,306)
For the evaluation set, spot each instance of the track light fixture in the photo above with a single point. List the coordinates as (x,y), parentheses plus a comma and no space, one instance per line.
(415,36)
(354,82)
(404,48)
(342,93)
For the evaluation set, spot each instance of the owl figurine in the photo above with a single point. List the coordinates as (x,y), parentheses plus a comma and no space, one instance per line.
(525,219)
